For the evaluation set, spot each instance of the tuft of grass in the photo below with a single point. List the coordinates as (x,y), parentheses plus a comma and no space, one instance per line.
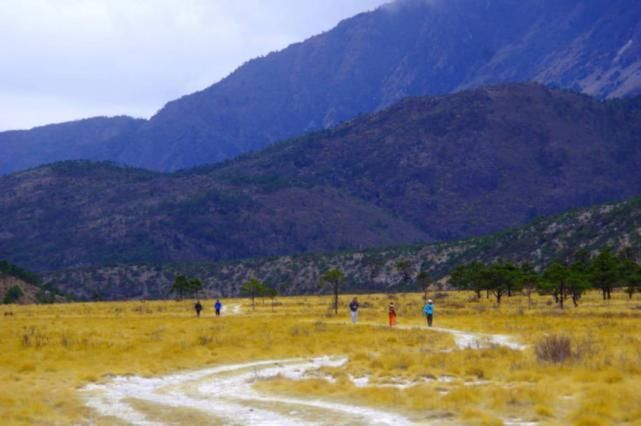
(554,348)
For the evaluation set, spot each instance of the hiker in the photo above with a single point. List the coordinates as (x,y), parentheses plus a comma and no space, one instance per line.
(428,310)
(353,310)
(198,307)
(392,314)
(218,306)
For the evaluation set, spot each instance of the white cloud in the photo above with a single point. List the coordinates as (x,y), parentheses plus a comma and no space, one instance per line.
(65,59)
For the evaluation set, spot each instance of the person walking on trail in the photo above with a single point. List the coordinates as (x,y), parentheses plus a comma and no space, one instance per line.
(353,310)
(428,310)
(198,307)
(391,313)
(218,306)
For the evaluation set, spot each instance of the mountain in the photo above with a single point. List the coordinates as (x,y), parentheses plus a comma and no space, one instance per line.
(75,213)
(83,139)
(370,61)
(471,163)
(616,225)
(425,169)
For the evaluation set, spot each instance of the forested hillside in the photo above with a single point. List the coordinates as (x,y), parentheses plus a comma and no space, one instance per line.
(616,226)
(426,169)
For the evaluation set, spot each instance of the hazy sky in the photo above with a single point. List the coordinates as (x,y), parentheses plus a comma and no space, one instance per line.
(70,59)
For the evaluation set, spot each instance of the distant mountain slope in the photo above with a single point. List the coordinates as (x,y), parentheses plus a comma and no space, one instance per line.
(471,163)
(76,213)
(83,139)
(425,169)
(595,228)
(408,48)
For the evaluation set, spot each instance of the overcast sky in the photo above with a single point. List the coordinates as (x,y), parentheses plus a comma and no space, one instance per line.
(68,59)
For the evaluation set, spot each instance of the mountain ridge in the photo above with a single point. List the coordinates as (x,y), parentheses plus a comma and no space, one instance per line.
(368,62)
(425,169)
(85,139)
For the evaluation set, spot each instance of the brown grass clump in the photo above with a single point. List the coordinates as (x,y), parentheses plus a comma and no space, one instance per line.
(554,349)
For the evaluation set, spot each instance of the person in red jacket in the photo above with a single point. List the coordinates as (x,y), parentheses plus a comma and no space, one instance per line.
(391,313)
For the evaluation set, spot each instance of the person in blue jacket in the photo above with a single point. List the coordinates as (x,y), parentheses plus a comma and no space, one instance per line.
(428,310)
(218,306)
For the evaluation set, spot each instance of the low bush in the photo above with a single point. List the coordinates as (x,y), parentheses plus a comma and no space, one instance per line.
(554,349)
(13,295)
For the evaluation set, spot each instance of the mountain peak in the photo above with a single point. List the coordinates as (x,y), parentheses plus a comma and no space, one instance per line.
(366,63)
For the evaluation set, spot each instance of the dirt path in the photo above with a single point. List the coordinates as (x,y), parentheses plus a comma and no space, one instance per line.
(463,339)
(226,394)
(467,339)
(233,309)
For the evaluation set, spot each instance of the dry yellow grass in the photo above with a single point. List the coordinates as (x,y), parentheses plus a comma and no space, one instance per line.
(49,352)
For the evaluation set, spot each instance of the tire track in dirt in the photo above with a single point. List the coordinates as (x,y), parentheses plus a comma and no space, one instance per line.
(226,393)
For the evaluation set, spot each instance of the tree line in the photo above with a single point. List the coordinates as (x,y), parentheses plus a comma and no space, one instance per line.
(563,280)
(253,288)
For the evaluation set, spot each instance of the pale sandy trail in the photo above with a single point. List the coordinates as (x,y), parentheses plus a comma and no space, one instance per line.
(226,393)
(465,339)
(233,309)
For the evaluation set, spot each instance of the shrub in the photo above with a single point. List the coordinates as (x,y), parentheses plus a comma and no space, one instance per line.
(554,349)
(13,295)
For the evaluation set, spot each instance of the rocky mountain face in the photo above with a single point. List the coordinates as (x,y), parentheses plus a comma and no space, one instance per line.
(366,63)
(615,225)
(425,169)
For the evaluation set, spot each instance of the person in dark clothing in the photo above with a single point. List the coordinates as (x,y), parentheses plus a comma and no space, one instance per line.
(198,307)
(428,309)
(218,306)
(353,310)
